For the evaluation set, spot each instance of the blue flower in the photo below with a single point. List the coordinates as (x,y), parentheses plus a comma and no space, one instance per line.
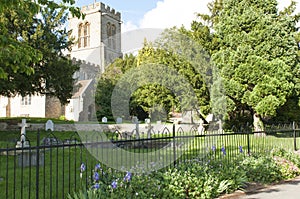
(241,149)
(97,167)
(127,177)
(223,150)
(96,186)
(213,148)
(82,167)
(96,176)
(114,184)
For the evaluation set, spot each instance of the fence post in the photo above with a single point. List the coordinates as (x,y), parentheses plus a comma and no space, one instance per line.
(248,142)
(174,145)
(294,134)
(37,164)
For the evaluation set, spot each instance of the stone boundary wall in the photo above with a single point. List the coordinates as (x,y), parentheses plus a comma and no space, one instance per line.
(143,128)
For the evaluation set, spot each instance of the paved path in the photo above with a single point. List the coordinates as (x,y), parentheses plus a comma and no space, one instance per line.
(286,190)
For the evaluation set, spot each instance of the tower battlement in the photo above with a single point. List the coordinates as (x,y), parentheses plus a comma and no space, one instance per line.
(85,63)
(104,9)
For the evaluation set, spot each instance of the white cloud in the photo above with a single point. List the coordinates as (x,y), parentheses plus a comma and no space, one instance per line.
(128,26)
(169,13)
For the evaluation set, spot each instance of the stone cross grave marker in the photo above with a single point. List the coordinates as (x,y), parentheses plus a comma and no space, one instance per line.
(49,125)
(104,119)
(23,142)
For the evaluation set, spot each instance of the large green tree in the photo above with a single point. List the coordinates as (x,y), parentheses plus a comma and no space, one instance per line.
(32,38)
(160,89)
(257,56)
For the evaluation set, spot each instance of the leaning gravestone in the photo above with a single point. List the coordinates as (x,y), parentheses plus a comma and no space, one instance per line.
(49,125)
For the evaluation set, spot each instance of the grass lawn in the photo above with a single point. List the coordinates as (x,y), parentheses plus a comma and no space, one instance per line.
(60,173)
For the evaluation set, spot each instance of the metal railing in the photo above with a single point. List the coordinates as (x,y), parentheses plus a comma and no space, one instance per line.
(51,168)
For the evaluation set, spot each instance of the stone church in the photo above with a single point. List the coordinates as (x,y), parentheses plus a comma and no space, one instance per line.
(98,38)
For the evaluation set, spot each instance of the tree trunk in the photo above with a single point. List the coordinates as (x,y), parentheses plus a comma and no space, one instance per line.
(258,125)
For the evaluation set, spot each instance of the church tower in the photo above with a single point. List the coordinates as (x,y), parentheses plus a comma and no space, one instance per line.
(97,36)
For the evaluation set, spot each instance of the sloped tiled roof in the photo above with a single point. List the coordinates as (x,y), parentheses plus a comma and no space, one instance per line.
(83,85)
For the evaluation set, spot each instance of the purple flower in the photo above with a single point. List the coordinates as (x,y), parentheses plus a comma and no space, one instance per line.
(241,149)
(127,177)
(82,167)
(114,184)
(97,167)
(223,150)
(96,176)
(96,186)
(213,148)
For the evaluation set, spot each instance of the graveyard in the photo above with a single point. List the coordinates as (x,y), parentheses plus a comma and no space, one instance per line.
(49,165)
(201,111)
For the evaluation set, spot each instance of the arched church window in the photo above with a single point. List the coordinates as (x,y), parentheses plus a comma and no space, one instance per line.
(113,36)
(108,30)
(83,35)
(80,35)
(86,34)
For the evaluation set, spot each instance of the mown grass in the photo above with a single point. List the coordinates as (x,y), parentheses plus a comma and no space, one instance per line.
(60,173)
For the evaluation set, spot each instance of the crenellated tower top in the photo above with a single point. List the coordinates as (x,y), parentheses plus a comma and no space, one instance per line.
(104,9)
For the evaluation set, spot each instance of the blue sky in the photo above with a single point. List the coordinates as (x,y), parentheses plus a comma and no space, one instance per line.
(159,13)
(132,10)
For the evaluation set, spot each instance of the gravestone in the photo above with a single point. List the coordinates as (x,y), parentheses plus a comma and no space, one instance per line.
(29,158)
(134,120)
(147,121)
(104,119)
(49,125)
(23,142)
(119,120)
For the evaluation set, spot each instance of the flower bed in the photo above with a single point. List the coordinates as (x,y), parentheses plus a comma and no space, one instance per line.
(193,178)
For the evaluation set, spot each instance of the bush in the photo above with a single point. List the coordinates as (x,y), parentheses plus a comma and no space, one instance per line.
(194,178)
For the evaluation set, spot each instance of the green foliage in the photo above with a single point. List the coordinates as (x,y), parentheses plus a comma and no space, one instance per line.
(163,78)
(257,53)
(32,40)
(256,49)
(198,179)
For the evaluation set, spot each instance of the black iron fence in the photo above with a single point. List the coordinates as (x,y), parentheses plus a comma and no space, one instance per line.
(50,167)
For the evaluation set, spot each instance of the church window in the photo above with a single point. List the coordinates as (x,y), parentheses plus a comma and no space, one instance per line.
(108,30)
(26,100)
(84,35)
(113,36)
(80,35)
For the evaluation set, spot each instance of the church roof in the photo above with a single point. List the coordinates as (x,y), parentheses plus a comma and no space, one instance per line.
(83,85)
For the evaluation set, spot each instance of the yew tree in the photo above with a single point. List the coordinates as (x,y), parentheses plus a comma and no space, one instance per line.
(257,56)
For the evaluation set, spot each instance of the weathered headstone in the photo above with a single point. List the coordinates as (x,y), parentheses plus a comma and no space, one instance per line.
(147,121)
(119,120)
(134,120)
(30,158)
(23,142)
(104,119)
(49,125)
